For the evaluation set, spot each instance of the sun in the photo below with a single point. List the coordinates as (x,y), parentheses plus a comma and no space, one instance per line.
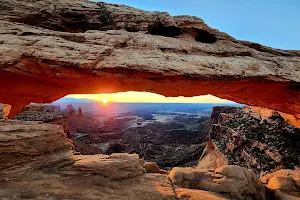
(104,100)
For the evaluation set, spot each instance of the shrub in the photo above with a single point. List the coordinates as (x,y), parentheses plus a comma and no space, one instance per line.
(105,15)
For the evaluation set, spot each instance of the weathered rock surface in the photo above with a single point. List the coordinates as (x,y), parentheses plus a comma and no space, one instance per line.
(37,163)
(266,114)
(284,183)
(211,158)
(279,195)
(233,181)
(151,167)
(45,168)
(284,179)
(190,194)
(4,111)
(218,110)
(28,146)
(40,112)
(22,141)
(114,166)
(58,185)
(260,142)
(86,47)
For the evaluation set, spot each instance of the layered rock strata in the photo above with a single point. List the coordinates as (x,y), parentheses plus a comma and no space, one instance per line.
(87,47)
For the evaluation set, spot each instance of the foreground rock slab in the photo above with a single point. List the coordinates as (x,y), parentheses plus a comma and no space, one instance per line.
(22,141)
(55,186)
(115,166)
(37,162)
(191,194)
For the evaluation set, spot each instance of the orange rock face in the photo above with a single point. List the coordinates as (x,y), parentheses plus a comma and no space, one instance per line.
(265,113)
(134,50)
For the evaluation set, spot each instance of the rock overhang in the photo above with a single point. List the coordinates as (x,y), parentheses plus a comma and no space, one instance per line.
(46,59)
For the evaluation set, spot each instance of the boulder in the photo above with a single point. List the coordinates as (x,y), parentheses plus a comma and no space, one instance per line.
(284,180)
(232,180)
(151,167)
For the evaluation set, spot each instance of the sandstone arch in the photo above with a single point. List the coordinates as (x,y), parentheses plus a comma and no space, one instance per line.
(49,49)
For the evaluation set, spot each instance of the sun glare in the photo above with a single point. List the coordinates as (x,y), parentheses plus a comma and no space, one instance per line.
(146,97)
(104,100)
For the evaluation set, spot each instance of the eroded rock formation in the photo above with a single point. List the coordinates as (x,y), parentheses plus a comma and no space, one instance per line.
(285,184)
(27,146)
(53,48)
(211,158)
(259,140)
(44,160)
(264,113)
(38,162)
(4,111)
(233,181)
(40,112)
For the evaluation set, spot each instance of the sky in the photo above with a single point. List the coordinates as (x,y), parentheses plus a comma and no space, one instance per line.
(147,97)
(274,23)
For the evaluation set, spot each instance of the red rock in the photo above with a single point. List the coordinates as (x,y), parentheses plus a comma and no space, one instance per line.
(217,110)
(46,59)
(211,158)
(151,167)
(223,117)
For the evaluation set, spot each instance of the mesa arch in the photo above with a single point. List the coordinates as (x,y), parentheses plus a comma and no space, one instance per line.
(51,49)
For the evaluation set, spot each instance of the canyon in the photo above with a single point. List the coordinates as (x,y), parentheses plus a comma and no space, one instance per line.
(39,162)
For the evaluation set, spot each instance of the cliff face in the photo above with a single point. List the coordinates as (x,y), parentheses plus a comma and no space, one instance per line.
(257,139)
(53,48)
(217,110)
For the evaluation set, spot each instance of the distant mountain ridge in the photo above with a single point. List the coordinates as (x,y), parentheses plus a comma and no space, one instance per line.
(94,106)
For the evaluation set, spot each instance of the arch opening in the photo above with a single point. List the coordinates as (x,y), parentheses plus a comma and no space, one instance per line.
(133,122)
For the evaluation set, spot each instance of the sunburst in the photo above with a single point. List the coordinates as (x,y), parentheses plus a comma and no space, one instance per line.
(104,100)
